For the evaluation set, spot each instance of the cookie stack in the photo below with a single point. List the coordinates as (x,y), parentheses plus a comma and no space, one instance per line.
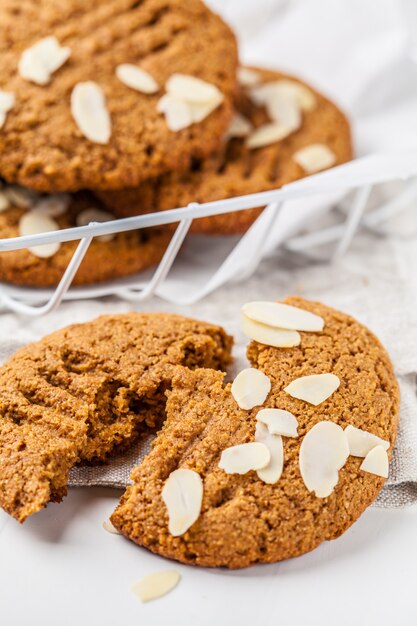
(118,108)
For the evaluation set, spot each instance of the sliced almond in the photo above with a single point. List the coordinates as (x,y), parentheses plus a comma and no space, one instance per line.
(182,495)
(268,134)
(41,60)
(4,202)
(244,458)
(282,315)
(136,78)
(33,223)
(178,114)
(191,89)
(240,126)
(361,441)
(7,101)
(247,77)
(323,452)
(279,422)
(95,215)
(89,110)
(269,336)
(271,473)
(54,205)
(376,462)
(315,158)
(313,389)
(284,88)
(21,197)
(199,111)
(107,525)
(250,388)
(156,585)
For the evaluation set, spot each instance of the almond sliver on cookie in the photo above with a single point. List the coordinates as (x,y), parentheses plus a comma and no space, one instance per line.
(376,462)
(21,197)
(136,78)
(95,215)
(269,336)
(250,388)
(192,89)
(247,77)
(89,110)
(54,205)
(323,452)
(155,585)
(315,158)
(178,114)
(271,473)
(244,457)
(108,526)
(182,495)
(4,200)
(279,422)
(284,88)
(40,61)
(7,102)
(268,134)
(361,441)
(33,223)
(240,126)
(199,111)
(313,389)
(282,315)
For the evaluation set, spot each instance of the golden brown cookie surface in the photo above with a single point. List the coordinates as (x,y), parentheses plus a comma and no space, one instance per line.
(88,390)
(237,170)
(40,144)
(244,521)
(124,254)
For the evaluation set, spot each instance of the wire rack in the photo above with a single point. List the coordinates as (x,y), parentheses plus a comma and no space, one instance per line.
(355,180)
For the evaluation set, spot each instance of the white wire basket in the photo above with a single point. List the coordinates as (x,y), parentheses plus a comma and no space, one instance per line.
(281,224)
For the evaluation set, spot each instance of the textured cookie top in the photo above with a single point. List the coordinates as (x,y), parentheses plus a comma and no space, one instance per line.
(106,259)
(243,520)
(42,147)
(87,390)
(236,169)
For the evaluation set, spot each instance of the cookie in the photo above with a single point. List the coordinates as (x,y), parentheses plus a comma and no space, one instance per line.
(41,144)
(237,169)
(87,391)
(243,520)
(106,259)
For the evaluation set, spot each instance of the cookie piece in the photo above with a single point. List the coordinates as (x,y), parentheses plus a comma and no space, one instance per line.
(42,147)
(243,520)
(237,170)
(88,390)
(124,254)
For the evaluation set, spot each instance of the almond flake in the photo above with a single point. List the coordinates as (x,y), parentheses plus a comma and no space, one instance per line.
(95,215)
(7,101)
(284,88)
(107,525)
(199,111)
(178,114)
(279,422)
(240,126)
(136,78)
(323,452)
(54,205)
(313,389)
(314,158)
(361,442)
(268,134)
(282,315)
(250,388)
(33,223)
(89,110)
(376,462)
(247,77)
(155,585)
(269,336)
(192,89)
(4,202)
(41,60)
(182,495)
(20,197)
(244,457)
(285,110)
(271,473)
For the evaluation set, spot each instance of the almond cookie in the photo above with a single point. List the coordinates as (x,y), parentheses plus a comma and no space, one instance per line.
(88,390)
(244,520)
(108,257)
(239,169)
(79,118)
